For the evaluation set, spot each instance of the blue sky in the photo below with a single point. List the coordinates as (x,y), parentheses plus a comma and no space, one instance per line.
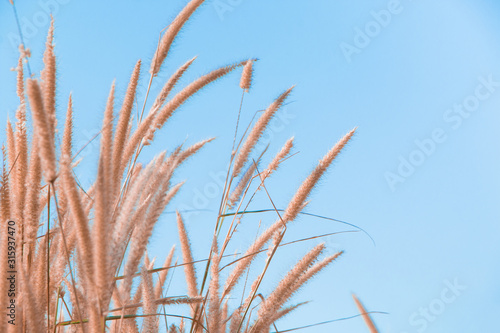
(420,176)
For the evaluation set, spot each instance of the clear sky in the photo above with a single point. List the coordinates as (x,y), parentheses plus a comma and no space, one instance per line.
(421,80)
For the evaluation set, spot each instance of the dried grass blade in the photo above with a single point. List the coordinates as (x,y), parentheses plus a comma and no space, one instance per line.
(79,216)
(167,88)
(122,126)
(366,317)
(256,132)
(187,257)
(48,77)
(43,131)
(169,36)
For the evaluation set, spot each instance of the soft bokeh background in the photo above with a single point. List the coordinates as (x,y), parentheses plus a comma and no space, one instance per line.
(438,223)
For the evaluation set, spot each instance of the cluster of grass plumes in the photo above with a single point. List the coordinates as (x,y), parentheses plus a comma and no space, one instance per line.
(85,268)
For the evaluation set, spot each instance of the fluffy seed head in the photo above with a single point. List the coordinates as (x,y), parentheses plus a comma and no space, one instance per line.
(246,76)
